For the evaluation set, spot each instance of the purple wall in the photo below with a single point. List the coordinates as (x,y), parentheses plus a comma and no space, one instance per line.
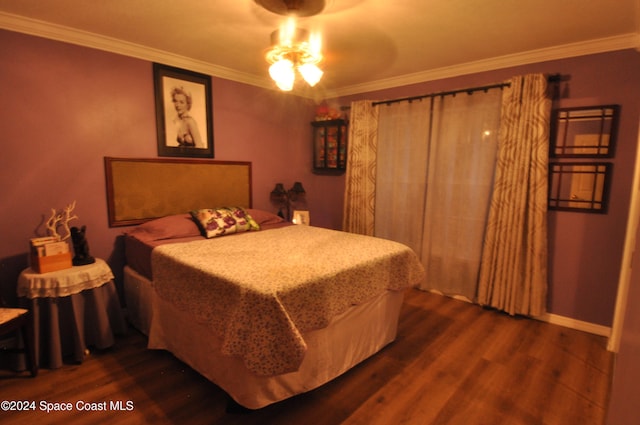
(585,249)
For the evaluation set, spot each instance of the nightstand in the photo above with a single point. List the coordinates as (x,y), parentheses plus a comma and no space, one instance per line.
(72,309)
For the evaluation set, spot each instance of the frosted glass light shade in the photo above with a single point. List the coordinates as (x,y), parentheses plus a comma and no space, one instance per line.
(283,74)
(311,73)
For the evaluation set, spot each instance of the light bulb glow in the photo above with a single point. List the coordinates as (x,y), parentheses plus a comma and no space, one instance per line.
(315,44)
(283,74)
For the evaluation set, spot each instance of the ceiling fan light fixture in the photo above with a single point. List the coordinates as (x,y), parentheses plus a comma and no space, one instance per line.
(293,49)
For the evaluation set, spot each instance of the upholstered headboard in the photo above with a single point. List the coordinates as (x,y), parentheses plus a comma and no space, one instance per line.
(140,189)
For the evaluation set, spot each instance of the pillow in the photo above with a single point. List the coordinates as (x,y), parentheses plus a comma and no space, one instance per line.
(223,221)
(264,217)
(169,227)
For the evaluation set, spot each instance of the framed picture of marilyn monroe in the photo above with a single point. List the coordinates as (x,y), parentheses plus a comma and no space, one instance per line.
(184,117)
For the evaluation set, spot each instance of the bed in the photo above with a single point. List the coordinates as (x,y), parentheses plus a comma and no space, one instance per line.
(269,309)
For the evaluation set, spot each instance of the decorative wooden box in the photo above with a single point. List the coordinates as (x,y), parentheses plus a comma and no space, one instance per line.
(49,255)
(51,263)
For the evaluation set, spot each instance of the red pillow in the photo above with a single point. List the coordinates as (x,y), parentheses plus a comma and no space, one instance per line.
(264,217)
(169,227)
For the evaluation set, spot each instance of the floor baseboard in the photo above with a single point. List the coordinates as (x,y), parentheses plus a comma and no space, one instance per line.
(579,325)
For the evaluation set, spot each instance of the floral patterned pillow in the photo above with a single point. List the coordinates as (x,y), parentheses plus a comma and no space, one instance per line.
(223,221)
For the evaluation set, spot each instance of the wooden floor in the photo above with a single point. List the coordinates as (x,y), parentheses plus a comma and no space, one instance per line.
(452,363)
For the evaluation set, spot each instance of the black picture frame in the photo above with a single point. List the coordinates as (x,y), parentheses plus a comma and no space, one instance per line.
(191,134)
(580,186)
(584,132)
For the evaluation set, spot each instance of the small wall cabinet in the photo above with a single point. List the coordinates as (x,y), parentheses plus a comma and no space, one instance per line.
(329,146)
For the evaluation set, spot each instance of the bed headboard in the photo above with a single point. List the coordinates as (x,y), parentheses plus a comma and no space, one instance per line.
(140,189)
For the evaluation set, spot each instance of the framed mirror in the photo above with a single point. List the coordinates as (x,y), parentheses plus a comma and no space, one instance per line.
(579,186)
(586,132)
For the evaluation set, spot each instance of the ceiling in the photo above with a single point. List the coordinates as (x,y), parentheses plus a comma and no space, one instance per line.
(368,44)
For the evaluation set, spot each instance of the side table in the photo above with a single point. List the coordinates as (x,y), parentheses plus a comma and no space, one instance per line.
(72,309)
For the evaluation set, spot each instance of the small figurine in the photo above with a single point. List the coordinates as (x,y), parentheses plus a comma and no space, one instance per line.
(81,247)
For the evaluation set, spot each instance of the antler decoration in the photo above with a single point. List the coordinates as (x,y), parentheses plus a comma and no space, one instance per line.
(67,218)
(53,223)
(58,219)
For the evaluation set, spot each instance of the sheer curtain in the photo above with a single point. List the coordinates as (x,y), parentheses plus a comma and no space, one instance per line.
(433,182)
(403,148)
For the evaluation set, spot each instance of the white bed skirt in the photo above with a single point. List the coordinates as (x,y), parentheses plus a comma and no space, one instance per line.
(350,338)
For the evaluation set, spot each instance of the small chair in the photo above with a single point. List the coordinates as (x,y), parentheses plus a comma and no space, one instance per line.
(19,319)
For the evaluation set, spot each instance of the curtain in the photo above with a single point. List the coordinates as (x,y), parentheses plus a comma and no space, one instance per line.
(403,148)
(433,183)
(359,196)
(422,173)
(461,169)
(513,272)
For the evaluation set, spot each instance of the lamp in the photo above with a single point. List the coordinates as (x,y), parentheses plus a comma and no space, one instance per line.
(285,200)
(293,49)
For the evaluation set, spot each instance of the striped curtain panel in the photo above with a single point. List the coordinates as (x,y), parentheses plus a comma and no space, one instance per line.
(360,179)
(513,269)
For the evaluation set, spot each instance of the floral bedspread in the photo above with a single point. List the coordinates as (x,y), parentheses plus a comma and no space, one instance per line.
(260,291)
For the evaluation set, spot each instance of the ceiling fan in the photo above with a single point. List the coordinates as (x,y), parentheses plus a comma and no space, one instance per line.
(299,8)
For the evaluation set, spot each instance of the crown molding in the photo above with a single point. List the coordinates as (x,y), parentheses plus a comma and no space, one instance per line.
(87,39)
(609,44)
(95,41)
